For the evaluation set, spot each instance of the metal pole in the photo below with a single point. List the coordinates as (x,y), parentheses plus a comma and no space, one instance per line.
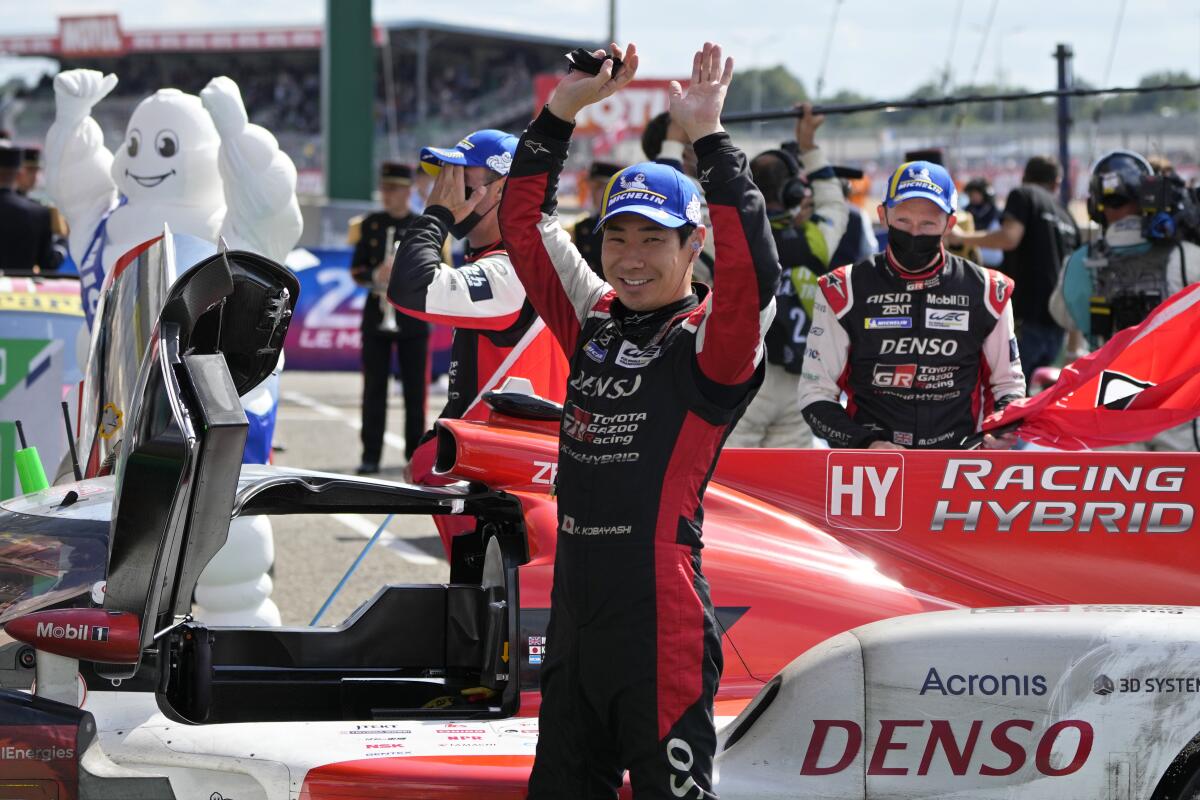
(348,99)
(612,22)
(1062,55)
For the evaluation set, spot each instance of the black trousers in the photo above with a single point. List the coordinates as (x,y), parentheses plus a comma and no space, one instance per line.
(633,658)
(413,353)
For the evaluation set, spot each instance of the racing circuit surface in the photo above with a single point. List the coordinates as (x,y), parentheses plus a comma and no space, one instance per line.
(318,427)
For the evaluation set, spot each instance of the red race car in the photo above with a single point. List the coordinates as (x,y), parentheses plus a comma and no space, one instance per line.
(430,691)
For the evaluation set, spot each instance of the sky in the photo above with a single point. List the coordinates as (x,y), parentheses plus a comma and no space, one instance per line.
(881,48)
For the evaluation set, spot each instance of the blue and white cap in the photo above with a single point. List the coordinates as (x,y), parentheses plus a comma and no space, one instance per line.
(486,148)
(658,192)
(922,179)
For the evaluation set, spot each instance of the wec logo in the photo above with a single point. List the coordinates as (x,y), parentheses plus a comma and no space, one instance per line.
(48,630)
(865,491)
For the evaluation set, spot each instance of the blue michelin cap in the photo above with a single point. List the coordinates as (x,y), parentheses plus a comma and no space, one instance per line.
(658,192)
(487,148)
(922,179)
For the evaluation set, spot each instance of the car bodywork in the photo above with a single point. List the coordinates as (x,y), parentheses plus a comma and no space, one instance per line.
(431,690)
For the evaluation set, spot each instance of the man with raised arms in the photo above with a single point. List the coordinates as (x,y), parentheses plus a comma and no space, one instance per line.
(661,370)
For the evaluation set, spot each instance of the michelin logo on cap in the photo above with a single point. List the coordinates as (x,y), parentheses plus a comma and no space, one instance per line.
(657,192)
(918,179)
(922,179)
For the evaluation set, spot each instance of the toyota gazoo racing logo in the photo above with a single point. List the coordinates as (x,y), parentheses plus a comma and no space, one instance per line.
(899,376)
(93,633)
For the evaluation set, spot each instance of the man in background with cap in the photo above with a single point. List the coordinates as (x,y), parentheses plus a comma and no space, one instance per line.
(661,370)
(27,178)
(25,226)
(586,235)
(497,333)
(921,341)
(384,330)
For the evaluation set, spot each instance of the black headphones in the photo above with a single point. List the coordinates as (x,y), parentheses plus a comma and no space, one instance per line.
(796,187)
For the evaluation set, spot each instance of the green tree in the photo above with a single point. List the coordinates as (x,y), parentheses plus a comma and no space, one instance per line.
(776,88)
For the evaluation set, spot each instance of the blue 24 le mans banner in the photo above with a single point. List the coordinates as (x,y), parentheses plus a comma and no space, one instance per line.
(325,331)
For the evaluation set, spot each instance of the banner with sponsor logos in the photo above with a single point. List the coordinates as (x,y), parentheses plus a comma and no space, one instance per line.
(325,333)
(998,528)
(627,110)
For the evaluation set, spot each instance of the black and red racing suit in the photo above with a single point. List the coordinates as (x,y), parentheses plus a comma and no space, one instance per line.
(497,332)
(633,651)
(922,358)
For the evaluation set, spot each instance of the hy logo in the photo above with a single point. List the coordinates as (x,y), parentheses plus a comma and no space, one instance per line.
(48,630)
(865,492)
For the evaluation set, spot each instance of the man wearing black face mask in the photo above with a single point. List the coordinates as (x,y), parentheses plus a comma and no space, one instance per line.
(497,333)
(920,341)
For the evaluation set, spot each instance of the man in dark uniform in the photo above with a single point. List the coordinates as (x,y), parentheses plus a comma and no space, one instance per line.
(586,234)
(24,224)
(383,330)
(27,177)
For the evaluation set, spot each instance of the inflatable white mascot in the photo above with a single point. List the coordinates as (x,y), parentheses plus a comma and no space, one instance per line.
(198,165)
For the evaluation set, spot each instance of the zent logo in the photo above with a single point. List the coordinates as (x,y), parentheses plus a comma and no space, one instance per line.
(865,491)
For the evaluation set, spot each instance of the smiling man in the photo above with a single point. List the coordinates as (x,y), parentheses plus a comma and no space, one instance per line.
(919,340)
(661,370)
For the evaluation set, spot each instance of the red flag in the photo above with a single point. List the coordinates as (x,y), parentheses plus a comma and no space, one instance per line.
(1145,380)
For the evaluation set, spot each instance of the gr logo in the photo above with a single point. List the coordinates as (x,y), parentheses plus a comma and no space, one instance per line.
(865,491)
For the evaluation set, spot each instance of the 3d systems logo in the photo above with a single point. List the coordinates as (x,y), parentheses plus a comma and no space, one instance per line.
(1102,685)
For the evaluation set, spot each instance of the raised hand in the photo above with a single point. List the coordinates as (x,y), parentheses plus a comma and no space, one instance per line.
(578,90)
(806,127)
(450,192)
(223,99)
(76,91)
(698,110)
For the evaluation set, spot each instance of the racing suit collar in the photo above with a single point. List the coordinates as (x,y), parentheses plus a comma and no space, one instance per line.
(645,328)
(475,253)
(898,271)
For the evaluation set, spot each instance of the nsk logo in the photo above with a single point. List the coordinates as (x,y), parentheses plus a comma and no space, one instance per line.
(48,630)
(865,491)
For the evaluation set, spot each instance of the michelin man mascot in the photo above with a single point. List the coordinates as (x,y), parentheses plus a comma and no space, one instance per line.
(197,165)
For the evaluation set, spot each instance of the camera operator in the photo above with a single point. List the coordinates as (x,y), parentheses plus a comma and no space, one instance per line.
(1116,282)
